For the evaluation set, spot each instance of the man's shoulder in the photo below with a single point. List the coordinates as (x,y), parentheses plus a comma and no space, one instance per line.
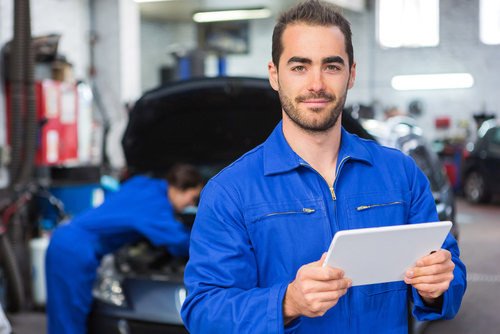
(244,168)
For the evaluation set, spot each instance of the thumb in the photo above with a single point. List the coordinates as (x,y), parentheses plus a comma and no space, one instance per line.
(320,261)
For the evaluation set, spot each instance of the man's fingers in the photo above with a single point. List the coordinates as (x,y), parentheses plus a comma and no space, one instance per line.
(323,258)
(327,296)
(435,269)
(431,279)
(322,286)
(439,256)
(319,273)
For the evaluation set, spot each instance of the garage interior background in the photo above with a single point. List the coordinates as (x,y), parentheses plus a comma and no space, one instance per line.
(134,41)
(126,47)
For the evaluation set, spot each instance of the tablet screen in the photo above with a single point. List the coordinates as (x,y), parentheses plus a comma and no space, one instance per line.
(384,254)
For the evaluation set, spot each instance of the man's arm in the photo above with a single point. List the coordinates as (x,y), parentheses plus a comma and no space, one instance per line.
(222,276)
(439,279)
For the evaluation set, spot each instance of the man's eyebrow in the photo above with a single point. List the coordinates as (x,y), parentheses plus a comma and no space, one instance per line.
(333,59)
(299,60)
(327,60)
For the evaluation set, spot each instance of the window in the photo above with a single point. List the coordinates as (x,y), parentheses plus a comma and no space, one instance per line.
(408,23)
(489,21)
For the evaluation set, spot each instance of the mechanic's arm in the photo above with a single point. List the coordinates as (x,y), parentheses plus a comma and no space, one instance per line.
(221,275)
(314,291)
(438,280)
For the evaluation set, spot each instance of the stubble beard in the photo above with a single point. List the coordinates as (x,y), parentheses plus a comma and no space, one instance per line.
(299,117)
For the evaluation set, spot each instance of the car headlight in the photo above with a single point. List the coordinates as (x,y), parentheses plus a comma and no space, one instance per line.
(108,285)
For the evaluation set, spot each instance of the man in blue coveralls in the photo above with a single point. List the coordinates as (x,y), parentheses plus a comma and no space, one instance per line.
(143,207)
(265,221)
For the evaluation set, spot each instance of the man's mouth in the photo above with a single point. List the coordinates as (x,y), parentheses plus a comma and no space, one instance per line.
(315,101)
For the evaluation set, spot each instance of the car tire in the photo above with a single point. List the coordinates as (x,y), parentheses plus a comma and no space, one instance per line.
(475,188)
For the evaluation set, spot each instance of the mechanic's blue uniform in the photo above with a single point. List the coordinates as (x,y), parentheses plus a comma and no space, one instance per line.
(139,209)
(269,213)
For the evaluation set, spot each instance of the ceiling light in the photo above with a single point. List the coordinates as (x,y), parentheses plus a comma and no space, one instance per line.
(231,15)
(432,81)
(143,1)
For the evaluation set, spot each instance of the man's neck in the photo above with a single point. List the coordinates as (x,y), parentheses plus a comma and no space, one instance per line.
(320,149)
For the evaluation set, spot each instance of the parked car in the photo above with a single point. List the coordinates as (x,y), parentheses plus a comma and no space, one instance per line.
(481,171)
(207,122)
(403,133)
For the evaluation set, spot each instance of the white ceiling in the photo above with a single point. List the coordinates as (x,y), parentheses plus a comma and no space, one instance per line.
(182,10)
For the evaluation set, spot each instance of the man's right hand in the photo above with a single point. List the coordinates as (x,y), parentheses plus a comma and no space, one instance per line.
(314,291)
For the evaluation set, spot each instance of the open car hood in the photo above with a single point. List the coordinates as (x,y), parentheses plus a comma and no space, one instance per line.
(204,121)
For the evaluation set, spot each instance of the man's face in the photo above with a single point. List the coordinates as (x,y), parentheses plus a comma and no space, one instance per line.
(181,199)
(313,76)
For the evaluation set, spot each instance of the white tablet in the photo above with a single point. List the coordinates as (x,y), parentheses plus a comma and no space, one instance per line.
(384,254)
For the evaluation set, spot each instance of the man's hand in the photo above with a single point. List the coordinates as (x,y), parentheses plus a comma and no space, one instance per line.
(432,275)
(314,291)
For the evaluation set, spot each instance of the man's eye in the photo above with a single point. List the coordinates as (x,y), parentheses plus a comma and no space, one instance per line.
(332,68)
(298,69)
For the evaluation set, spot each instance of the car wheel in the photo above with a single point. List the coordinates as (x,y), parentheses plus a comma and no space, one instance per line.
(475,188)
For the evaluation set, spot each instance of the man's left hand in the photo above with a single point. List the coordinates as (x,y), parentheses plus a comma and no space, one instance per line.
(431,275)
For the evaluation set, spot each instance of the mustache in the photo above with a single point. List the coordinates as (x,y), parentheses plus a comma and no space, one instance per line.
(319,95)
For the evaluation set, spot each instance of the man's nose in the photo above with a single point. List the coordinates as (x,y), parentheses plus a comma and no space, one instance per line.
(316,81)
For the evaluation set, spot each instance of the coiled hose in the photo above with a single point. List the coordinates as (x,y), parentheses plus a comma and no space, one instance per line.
(23,125)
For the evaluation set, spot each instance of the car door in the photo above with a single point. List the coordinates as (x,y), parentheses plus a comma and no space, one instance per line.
(491,162)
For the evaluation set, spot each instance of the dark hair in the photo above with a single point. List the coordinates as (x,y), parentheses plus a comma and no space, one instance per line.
(311,12)
(184,176)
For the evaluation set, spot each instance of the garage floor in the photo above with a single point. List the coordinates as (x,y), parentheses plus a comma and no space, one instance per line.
(480,245)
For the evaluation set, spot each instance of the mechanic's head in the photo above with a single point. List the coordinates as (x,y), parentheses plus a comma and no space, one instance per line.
(184,186)
(311,13)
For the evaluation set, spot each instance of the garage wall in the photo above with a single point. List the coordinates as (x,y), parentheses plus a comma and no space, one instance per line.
(158,41)
(254,63)
(68,18)
(460,50)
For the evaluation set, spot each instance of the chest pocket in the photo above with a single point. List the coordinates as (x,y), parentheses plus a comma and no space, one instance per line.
(287,211)
(286,235)
(377,209)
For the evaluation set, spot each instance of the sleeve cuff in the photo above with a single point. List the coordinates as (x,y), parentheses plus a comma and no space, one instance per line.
(424,312)
(275,311)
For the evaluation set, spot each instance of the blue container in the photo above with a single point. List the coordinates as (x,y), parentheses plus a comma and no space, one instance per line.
(77,198)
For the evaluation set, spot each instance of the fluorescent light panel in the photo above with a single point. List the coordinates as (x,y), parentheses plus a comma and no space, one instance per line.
(432,81)
(231,15)
(143,1)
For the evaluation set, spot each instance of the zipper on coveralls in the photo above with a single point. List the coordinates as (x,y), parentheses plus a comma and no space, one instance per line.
(366,207)
(304,210)
(344,301)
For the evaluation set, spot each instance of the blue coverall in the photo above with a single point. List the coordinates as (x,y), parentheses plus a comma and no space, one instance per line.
(270,212)
(139,209)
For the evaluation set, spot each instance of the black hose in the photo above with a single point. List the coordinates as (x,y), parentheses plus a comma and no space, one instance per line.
(17,74)
(31,129)
(15,288)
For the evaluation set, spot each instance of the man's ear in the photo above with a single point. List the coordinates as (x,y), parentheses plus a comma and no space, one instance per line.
(273,75)
(352,76)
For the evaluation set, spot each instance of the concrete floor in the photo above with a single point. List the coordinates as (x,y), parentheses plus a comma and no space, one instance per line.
(480,246)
